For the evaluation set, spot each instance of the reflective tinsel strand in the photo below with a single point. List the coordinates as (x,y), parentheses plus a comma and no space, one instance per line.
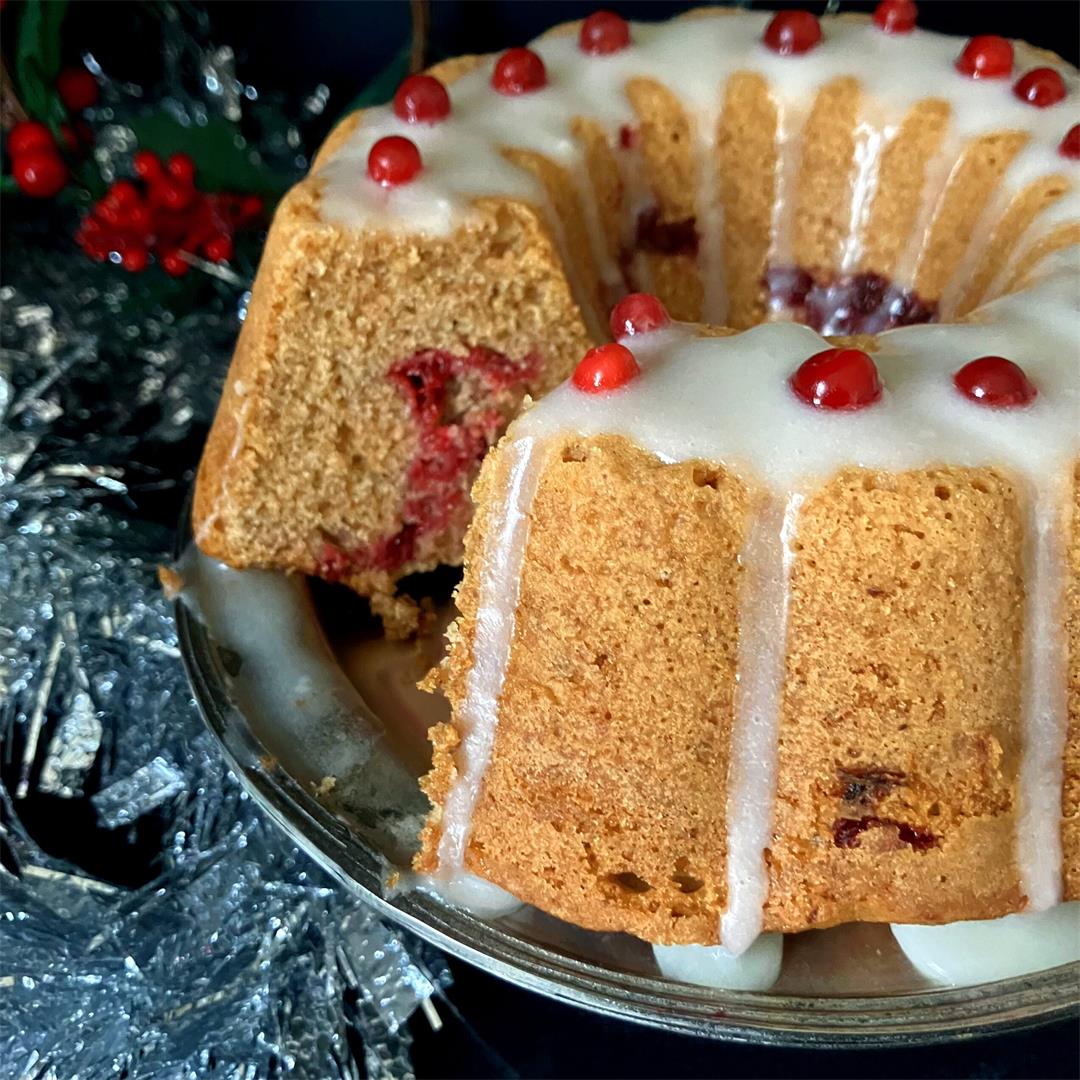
(219,949)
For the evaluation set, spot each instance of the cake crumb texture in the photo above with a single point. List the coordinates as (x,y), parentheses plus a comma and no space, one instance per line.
(900,731)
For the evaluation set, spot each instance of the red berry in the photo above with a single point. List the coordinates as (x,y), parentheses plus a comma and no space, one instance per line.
(39,173)
(604,32)
(896,16)
(1070,145)
(393,160)
(995,381)
(173,264)
(421,99)
(1040,87)
(182,169)
(519,71)
(172,194)
(251,206)
(29,135)
(838,379)
(606,367)
(627,137)
(792,32)
(123,193)
(78,89)
(986,57)
(637,313)
(219,248)
(147,164)
(135,259)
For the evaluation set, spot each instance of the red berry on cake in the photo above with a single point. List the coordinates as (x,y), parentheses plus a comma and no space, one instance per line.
(519,71)
(1069,147)
(393,160)
(421,99)
(896,16)
(606,367)
(843,379)
(604,32)
(995,381)
(638,313)
(986,57)
(792,32)
(78,89)
(29,135)
(1040,87)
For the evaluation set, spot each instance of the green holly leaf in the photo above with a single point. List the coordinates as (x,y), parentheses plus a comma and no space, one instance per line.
(224,160)
(37,60)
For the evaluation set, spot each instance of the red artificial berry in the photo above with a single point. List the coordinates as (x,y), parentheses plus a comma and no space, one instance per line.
(29,135)
(39,173)
(606,367)
(172,194)
(896,16)
(637,313)
(421,99)
(986,57)
(182,169)
(219,248)
(1040,87)
(995,381)
(78,89)
(147,164)
(124,194)
(627,137)
(1070,145)
(251,206)
(393,160)
(519,71)
(837,379)
(792,32)
(135,259)
(173,264)
(604,32)
(139,219)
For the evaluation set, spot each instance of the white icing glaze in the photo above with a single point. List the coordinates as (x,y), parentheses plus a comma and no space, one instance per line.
(471,892)
(712,965)
(478,715)
(694,58)
(766,559)
(968,953)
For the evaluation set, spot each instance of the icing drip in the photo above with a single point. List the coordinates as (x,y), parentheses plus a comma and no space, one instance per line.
(495,616)
(766,559)
(1045,709)
(713,965)
(709,215)
(869,143)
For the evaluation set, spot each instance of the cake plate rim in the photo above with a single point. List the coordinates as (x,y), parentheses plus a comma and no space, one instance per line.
(937,1015)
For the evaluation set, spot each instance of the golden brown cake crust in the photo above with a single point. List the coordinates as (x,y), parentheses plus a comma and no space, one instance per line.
(899,740)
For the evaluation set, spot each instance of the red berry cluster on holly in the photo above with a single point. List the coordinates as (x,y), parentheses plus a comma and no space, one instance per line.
(36,161)
(164,214)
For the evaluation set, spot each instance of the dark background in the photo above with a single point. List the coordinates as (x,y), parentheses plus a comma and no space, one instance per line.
(491,1029)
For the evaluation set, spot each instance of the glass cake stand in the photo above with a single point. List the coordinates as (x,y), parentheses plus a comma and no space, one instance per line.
(320,718)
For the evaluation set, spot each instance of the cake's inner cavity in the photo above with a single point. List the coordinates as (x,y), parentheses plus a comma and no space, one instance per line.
(862,303)
(460,406)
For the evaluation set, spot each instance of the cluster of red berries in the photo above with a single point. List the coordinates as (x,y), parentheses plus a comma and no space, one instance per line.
(36,162)
(164,214)
(839,380)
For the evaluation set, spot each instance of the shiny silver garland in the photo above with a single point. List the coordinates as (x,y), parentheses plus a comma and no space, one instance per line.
(221,950)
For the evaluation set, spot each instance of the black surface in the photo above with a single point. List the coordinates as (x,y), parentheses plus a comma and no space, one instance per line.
(492,1029)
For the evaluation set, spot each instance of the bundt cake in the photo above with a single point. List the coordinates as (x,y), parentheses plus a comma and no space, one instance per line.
(458,250)
(763,627)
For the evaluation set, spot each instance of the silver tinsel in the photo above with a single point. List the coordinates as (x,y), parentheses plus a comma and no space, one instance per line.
(219,949)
